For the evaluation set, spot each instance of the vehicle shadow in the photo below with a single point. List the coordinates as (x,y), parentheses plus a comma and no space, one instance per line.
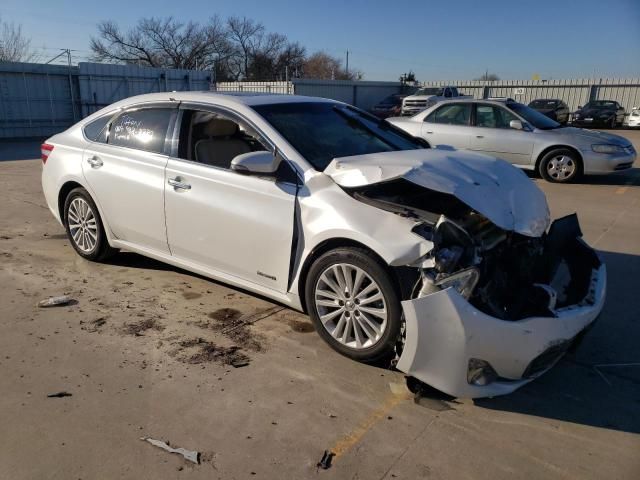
(599,384)
(135,260)
(629,177)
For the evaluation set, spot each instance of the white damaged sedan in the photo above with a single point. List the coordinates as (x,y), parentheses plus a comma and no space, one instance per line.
(440,262)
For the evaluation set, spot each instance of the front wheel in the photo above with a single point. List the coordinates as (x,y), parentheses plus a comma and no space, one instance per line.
(354,305)
(560,166)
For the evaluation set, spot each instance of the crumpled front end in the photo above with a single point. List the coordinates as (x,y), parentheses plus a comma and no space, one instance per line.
(486,320)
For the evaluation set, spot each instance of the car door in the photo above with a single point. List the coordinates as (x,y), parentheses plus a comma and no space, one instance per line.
(493,135)
(220,220)
(125,171)
(448,125)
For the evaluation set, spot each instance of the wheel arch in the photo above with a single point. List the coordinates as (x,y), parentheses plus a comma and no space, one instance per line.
(63,193)
(398,275)
(559,147)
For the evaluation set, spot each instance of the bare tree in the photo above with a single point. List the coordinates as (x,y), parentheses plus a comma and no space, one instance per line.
(324,66)
(14,46)
(488,77)
(159,42)
(246,35)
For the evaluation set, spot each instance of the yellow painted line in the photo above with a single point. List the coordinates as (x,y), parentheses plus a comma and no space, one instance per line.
(343,445)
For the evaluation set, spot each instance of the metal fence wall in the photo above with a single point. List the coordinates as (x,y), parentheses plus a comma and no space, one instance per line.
(102,84)
(261,87)
(38,100)
(575,92)
(35,99)
(362,94)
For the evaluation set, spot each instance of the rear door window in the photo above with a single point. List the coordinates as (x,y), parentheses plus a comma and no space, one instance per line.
(492,116)
(451,114)
(144,129)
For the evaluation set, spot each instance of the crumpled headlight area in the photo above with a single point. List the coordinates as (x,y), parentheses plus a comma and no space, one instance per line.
(464,282)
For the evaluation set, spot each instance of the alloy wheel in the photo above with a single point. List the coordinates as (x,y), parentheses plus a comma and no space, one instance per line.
(82,225)
(351,306)
(561,167)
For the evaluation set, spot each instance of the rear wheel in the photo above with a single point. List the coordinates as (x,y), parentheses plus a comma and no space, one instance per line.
(560,166)
(84,226)
(354,305)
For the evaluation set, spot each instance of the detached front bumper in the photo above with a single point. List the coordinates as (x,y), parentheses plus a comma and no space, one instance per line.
(444,332)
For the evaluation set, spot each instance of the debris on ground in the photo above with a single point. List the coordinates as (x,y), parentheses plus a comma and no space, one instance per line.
(138,328)
(210,352)
(55,301)
(189,455)
(59,395)
(235,326)
(325,461)
(94,325)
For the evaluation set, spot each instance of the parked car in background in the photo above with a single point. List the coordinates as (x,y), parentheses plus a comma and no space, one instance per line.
(390,106)
(603,113)
(444,262)
(522,136)
(427,97)
(633,119)
(555,109)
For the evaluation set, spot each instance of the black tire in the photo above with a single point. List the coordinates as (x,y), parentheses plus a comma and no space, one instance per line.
(101,250)
(543,167)
(384,347)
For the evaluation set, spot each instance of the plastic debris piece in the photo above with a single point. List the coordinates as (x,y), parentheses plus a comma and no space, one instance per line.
(59,395)
(325,461)
(55,301)
(189,455)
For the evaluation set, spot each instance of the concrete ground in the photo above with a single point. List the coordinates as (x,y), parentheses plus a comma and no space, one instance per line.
(138,353)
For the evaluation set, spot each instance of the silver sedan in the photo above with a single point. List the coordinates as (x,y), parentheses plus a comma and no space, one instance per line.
(518,134)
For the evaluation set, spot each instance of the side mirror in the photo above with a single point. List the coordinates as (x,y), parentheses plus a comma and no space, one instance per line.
(256,163)
(579,107)
(516,125)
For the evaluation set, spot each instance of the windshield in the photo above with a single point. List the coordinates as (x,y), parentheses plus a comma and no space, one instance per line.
(601,104)
(430,91)
(533,117)
(543,104)
(322,131)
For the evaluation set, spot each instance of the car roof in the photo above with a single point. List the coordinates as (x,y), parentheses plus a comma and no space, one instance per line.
(242,98)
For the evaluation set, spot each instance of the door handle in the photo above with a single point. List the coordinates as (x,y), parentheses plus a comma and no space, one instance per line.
(429,132)
(95,162)
(479,136)
(177,183)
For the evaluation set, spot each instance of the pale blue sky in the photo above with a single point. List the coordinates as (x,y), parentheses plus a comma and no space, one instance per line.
(437,39)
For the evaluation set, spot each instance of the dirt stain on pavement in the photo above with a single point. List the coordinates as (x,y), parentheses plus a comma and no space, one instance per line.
(300,326)
(207,351)
(191,295)
(225,314)
(138,328)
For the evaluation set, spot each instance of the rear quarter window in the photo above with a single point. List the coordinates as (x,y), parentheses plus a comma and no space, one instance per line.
(144,129)
(96,131)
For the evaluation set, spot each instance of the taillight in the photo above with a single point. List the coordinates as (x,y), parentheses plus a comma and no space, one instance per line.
(46,150)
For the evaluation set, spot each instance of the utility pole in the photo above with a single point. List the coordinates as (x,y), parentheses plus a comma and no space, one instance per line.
(347,67)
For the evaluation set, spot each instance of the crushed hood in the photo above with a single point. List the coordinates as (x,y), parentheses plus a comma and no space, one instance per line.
(491,187)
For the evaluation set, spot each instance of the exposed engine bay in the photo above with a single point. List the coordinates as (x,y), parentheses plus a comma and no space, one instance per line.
(502,273)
